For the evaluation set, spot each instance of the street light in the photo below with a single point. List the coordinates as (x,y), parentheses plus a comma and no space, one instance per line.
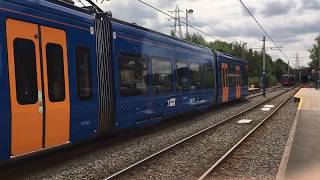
(188,11)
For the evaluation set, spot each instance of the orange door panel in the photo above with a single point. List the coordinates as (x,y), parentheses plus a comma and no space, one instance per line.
(225,89)
(25,84)
(222,81)
(238,83)
(56,86)
(227,83)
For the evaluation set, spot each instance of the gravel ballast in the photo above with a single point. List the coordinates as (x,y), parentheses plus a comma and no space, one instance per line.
(191,159)
(260,155)
(99,159)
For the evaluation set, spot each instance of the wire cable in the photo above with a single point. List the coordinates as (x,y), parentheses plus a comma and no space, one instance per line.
(81,3)
(207,34)
(265,32)
(197,29)
(161,11)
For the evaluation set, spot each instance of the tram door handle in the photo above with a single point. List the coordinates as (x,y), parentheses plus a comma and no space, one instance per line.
(40,99)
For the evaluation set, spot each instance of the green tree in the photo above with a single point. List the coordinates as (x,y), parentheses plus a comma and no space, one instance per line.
(197,39)
(221,46)
(254,58)
(315,54)
(280,68)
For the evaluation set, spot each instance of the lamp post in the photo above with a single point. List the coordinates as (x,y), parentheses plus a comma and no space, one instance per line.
(188,11)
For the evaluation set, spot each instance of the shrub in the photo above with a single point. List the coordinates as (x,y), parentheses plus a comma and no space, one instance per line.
(271,80)
(254,81)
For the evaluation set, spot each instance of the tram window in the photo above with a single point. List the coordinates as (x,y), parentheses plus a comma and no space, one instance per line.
(226,80)
(55,70)
(196,79)
(232,75)
(161,75)
(182,71)
(238,77)
(244,78)
(208,76)
(223,77)
(133,75)
(83,68)
(25,71)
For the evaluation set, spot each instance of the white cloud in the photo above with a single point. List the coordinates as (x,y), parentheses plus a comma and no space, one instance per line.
(291,23)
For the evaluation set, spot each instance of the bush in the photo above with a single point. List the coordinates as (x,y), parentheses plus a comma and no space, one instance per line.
(254,81)
(271,80)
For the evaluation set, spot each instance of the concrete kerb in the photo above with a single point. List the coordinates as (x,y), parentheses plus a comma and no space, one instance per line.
(281,175)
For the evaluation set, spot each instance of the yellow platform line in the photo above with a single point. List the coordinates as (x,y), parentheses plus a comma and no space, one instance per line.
(300,104)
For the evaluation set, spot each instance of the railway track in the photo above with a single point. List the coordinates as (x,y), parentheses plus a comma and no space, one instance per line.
(226,155)
(157,155)
(269,90)
(116,156)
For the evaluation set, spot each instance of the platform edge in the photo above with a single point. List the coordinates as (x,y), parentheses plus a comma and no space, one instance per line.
(281,175)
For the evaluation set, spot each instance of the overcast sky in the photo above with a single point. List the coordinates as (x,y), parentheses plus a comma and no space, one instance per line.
(294,24)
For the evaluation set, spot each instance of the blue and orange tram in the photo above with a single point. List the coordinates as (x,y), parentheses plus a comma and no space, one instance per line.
(69,75)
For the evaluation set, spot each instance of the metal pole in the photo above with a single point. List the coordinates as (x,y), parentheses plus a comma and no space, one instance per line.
(243,52)
(187,30)
(243,49)
(319,57)
(264,66)
(295,66)
(288,67)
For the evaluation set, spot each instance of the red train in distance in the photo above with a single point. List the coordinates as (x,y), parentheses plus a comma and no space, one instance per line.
(287,80)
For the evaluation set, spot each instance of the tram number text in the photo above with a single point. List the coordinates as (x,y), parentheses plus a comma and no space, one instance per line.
(85,123)
(171,102)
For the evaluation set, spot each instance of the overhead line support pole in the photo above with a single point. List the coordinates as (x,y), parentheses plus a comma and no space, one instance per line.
(187,31)
(295,66)
(264,67)
(319,57)
(288,67)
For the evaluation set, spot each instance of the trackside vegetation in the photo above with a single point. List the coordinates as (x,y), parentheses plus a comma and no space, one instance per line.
(275,68)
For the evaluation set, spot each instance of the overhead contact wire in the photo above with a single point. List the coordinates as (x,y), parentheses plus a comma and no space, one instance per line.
(263,29)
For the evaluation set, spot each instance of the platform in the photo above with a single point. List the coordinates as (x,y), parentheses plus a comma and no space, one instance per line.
(301,159)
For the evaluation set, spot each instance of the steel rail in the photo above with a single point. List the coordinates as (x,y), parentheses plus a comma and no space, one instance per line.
(217,163)
(191,136)
(274,89)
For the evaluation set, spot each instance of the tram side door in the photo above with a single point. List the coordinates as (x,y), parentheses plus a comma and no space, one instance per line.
(225,88)
(56,86)
(39,88)
(238,82)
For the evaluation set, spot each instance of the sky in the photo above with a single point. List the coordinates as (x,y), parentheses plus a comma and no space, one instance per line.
(293,24)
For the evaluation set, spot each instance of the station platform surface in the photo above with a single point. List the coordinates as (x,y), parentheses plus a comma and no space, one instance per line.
(301,159)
